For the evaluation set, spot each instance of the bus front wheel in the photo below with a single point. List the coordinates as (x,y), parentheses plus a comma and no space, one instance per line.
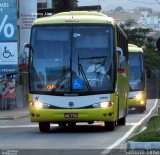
(122,121)
(110,126)
(44,126)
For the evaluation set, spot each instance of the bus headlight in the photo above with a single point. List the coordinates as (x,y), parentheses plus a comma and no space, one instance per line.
(38,104)
(106,104)
(102,105)
(139,96)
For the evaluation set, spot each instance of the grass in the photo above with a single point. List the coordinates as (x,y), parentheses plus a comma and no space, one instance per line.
(152,133)
(154,123)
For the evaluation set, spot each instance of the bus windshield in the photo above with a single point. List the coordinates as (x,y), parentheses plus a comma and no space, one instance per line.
(136,71)
(71,59)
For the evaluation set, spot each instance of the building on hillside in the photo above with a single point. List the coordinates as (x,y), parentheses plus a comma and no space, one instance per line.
(149,20)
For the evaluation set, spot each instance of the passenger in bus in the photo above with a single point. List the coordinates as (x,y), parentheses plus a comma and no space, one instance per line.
(98,72)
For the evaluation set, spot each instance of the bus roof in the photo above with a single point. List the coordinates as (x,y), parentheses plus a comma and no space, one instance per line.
(76,17)
(134,48)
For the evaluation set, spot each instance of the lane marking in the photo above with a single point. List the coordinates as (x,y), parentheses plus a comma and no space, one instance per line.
(144,128)
(109,148)
(36,125)
(23,126)
(18,126)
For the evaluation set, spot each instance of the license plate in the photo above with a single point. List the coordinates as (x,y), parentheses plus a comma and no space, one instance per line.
(71,115)
(132,108)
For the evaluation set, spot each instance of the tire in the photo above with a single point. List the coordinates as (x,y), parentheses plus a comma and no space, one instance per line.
(110,126)
(122,121)
(141,109)
(44,126)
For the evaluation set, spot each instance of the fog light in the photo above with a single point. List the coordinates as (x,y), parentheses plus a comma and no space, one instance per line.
(142,102)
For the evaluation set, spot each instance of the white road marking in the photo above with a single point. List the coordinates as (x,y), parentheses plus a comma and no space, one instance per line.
(24,126)
(36,125)
(109,148)
(144,128)
(132,124)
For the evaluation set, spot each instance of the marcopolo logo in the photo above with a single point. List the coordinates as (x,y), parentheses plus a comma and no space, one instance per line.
(6,28)
(71,104)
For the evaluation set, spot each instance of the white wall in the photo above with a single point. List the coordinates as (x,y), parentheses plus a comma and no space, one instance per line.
(27,14)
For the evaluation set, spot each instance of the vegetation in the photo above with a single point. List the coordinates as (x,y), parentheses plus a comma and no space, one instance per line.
(64,5)
(152,133)
(142,38)
(147,136)
(119,8)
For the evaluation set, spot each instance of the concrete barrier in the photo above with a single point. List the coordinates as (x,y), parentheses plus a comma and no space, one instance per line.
(143,145)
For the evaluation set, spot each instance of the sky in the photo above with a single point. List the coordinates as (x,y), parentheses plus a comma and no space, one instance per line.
(126,4)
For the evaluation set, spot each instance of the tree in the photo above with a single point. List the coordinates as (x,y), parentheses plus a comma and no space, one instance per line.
(119,8)
(130,22)
(141,38)
(64,5)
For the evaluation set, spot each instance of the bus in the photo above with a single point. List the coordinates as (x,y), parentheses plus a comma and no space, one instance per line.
(137,83)
(78,70)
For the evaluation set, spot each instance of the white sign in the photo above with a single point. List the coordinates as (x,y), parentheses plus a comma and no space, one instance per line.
(8,53)
(27,13)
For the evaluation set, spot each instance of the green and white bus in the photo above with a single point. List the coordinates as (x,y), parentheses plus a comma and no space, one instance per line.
(78,70)
(137,84)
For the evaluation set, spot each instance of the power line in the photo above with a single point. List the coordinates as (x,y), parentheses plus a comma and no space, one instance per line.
(144,2)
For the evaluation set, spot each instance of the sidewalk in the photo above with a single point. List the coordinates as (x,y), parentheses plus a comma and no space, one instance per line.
(15,113)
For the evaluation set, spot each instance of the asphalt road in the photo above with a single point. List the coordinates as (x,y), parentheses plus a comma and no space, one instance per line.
(19,135)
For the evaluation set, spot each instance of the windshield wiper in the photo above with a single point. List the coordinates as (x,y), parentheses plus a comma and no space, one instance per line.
(104,57)
(60,79)
(84,76)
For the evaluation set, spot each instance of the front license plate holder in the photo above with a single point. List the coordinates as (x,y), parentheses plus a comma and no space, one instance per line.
(71,115)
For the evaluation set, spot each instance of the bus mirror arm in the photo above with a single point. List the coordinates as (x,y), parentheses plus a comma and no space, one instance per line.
(121,67)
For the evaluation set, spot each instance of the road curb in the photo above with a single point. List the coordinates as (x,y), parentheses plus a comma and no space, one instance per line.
(143,145)
(14,117)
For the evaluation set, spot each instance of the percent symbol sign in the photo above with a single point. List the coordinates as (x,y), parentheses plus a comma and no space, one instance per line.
(6,28)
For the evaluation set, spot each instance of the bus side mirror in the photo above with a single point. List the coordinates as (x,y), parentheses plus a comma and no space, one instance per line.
(122,60)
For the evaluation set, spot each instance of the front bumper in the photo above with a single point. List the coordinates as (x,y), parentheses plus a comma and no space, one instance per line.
(134,103)
(84,115)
